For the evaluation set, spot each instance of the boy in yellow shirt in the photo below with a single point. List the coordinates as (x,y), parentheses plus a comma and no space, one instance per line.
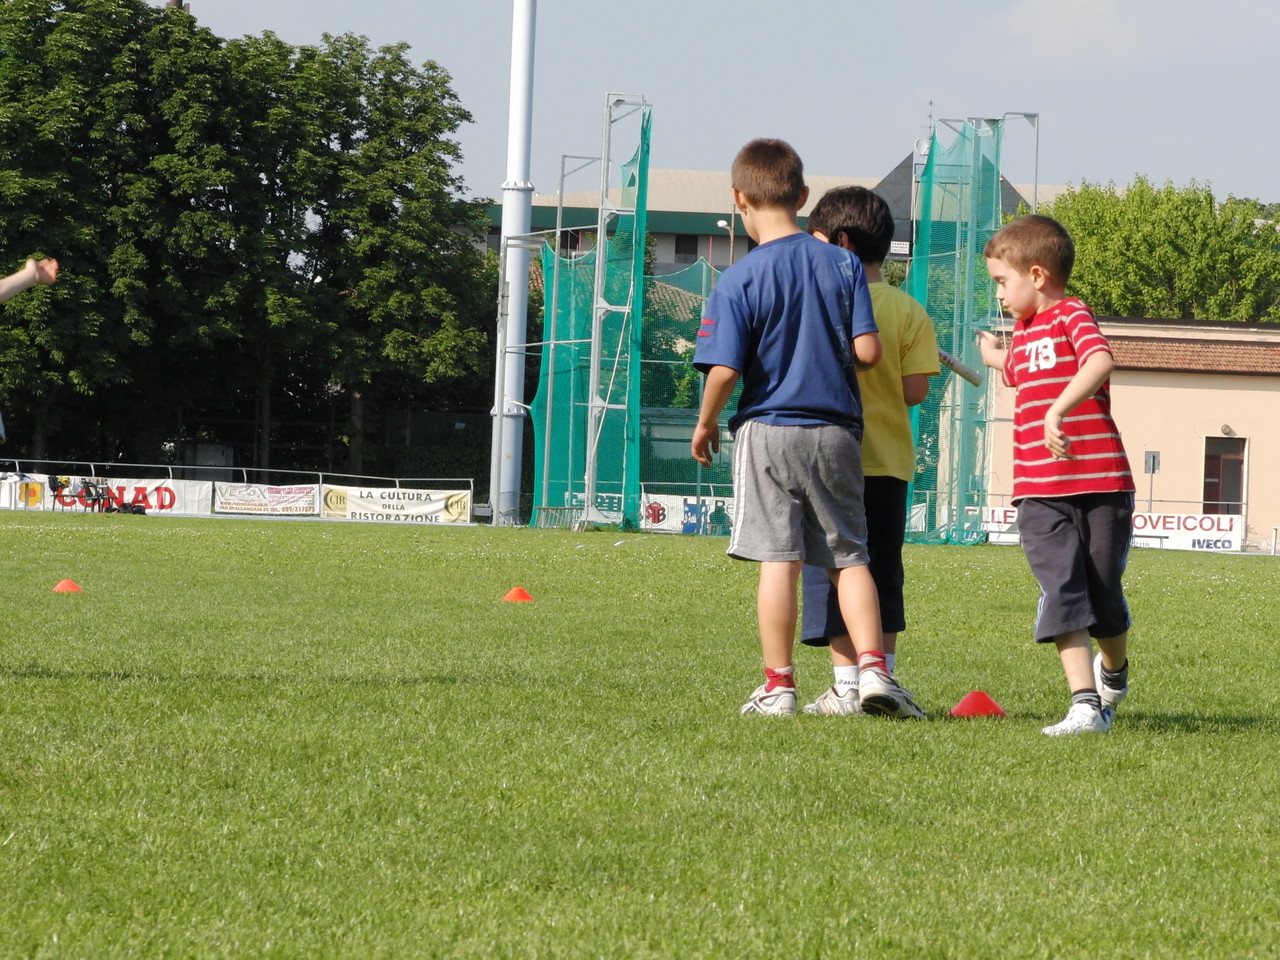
(860,221)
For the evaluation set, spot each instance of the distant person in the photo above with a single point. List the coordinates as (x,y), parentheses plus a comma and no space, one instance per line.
(860,221)
(1071,479)
(790,320)
(35,272)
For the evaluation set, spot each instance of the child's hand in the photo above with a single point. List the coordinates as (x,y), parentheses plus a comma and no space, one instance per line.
(1055,438)
(989,347)
(46,270)
(706,441)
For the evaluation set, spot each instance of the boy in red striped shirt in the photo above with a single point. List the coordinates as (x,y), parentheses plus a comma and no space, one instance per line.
(1071,479)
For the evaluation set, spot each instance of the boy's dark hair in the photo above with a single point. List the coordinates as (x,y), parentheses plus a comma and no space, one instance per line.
(769,173)
(1031,241)
(863,216)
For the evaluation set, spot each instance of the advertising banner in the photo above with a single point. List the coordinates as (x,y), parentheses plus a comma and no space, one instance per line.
(1215,532)
(110,495)
(301,499)
(666,513)
(170,497)
(20,492)
(608,506)
(1212,532)
(390,505)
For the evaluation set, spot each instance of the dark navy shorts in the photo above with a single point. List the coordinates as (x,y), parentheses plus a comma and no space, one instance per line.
(886,503)
(1078,547)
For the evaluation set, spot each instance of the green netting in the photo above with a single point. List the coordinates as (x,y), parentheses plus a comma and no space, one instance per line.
(627,452)
(586,414)
(679,493)
(958,211)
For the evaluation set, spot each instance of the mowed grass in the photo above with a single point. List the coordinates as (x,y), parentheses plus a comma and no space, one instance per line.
(280,739)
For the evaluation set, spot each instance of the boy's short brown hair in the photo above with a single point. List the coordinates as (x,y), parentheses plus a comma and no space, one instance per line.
(1031,241)
(769,173)
(863,216)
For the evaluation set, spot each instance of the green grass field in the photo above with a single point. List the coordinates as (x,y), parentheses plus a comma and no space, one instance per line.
(276,739)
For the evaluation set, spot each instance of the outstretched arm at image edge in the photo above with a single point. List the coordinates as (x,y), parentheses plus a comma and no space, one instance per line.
(35,271)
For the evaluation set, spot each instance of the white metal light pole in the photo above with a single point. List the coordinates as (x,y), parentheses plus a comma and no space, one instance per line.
(517,205)
(728,225)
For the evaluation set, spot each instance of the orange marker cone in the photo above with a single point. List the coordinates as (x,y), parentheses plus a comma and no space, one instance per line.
(977,704)
(67,586)
(518,595)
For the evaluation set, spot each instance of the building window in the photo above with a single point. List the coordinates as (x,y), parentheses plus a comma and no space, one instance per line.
(686,248)
(571,242)
(1224,475)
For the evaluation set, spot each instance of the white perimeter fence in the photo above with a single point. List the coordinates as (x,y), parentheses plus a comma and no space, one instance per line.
(195,491)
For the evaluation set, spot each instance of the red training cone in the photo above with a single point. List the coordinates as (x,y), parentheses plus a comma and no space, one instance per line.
(977,704)
(67,586)
(518,595)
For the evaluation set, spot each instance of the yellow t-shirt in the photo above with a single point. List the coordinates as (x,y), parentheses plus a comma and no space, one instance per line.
(910,346)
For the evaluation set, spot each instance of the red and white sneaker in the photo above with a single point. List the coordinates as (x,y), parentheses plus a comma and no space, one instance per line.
(778,702)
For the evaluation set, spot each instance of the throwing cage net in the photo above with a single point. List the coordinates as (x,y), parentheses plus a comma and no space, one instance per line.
(586,414)
(618,396)
(958,209)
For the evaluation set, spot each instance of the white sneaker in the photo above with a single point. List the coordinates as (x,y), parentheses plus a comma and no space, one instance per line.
(832,704)
(1081,718)
(1111,696)
(778,702)
(880,695)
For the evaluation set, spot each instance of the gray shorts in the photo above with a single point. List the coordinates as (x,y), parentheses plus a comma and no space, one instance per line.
(798,495)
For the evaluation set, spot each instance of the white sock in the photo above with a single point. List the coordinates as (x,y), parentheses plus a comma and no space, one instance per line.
(889,658)
(846,679)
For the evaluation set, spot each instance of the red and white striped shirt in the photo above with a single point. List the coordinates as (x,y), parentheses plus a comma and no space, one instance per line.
(1047,351)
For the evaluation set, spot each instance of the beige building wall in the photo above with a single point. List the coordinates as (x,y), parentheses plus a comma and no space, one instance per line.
(1174,414)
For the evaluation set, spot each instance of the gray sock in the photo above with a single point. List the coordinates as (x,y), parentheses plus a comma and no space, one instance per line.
(1089,696)
(1116,679)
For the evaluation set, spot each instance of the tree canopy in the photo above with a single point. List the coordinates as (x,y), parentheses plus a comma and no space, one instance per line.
(1172,253)
(242,224)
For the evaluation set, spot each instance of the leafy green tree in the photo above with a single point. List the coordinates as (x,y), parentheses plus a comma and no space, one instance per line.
(174,266)
(124,122)
(392,233)
(67,135)
(238,222)
(1170,253)
(281,155)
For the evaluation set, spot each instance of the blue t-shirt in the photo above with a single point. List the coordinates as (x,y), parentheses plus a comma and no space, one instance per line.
(784,317)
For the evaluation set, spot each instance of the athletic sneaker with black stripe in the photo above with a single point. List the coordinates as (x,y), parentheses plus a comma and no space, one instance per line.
(881,695)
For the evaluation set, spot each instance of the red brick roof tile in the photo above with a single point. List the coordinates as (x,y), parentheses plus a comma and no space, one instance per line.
(1196,356)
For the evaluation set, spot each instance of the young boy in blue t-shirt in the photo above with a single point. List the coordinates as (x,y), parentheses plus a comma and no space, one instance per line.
(791,319)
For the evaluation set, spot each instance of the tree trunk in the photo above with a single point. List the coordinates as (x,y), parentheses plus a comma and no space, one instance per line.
(40,429)
(356,465)
(262,440)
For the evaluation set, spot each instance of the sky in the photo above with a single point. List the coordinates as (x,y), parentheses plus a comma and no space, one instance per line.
(1172,90)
